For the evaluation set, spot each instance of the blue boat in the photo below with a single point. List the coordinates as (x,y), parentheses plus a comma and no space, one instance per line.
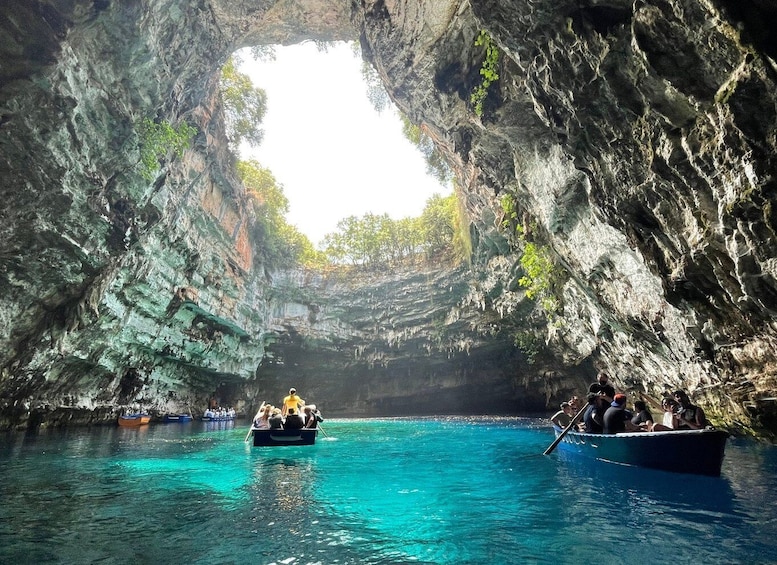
(276,438)
(680,451)
(176,418)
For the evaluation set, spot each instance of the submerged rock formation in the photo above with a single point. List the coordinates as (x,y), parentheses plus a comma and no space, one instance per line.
(634,141)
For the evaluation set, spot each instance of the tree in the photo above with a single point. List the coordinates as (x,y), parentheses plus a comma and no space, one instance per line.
(158,140)
(376,239)
(436,165)
(244,105)
(376,92)
(281,242)
(438,223)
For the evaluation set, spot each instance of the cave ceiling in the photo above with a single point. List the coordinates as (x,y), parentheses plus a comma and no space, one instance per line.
(636,142)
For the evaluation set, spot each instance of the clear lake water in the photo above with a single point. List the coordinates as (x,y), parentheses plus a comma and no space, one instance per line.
(380,491)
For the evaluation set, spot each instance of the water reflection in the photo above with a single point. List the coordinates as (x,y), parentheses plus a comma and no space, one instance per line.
(623,485)
(215,425)
(681,510)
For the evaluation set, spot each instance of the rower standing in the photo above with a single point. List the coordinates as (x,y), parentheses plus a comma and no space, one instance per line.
(292,401)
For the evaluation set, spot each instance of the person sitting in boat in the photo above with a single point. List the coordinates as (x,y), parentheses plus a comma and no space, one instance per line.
(263,421)
(667,423)
(642,418)
(563,417)
(688,416)
(293,420)
(276,419)
(617,419)
(594,412)
(292,401)
(312,416)
(602,386)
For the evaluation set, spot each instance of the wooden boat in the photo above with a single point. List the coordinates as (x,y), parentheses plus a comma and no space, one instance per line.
(275,438)
(177,418)
(682,451)
(134,420)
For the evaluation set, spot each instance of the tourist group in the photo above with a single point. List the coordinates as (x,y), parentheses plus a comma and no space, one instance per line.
(293,414)
(607,413)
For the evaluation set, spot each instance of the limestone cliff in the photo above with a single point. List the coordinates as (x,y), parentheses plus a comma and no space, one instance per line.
(636,139)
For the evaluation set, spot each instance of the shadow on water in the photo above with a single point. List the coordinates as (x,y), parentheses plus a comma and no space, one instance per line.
(691,514)
(620,484)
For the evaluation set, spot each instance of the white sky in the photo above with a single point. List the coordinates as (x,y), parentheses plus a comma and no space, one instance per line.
(333,154)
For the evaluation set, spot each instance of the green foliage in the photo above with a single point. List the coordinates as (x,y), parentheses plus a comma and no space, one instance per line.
(528,343)
(509,210)
(244,105)
(158,140)
(375,240)
(376,92)
(263,52)
(438,224)
(436,165)
(281,242)
(541,275)
(489,71)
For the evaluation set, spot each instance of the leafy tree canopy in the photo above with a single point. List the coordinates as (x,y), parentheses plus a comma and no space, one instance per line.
(244,105)
(158,140)
(282,244)
(376,239)
(436,165)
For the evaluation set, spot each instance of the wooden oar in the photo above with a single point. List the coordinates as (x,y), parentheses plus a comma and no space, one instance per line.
(553,445)
(252,422)
(322,430)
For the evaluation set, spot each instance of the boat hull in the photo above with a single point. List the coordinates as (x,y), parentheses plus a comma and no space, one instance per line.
(133,421)
(176,418)
(698,452)
(277,438)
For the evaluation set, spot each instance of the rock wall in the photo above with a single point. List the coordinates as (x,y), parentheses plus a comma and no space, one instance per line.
(637,141)
(416,341)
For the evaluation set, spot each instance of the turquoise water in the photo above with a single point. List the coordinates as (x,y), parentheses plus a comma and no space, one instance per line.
(389,491)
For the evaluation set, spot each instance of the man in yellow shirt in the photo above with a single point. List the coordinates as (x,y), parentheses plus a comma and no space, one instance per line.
(292,401)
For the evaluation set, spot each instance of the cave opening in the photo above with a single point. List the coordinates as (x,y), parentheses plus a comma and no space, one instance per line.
(333,139)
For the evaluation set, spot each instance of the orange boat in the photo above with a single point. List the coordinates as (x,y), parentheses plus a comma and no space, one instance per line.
(134,420)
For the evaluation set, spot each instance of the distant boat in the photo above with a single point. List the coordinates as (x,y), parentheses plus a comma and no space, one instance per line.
(134,420)
(276,438)
(218,415)
(176,418)
(217,418)
(681,451)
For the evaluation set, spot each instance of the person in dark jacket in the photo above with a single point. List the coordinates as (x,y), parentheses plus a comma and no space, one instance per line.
(617,419)
(642,418)
(592,417)
(688,416)
(603,386)
(293,420)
